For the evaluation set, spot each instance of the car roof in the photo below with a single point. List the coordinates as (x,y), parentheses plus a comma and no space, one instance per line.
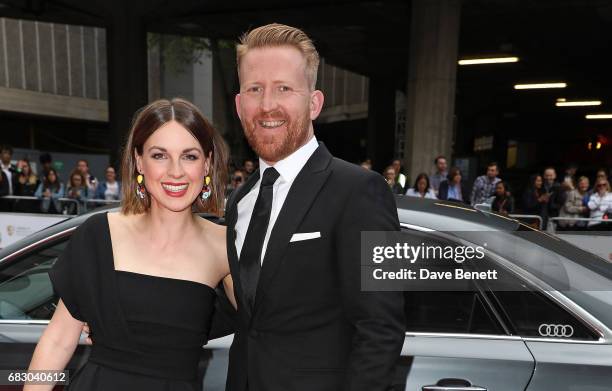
(412,211)
(449,216)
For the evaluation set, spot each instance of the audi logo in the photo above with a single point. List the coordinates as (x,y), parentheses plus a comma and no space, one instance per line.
(556,330)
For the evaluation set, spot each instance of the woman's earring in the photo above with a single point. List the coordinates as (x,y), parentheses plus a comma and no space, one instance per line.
(206,191)
(141,191)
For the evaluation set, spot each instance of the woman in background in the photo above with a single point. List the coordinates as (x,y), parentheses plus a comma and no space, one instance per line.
(78,191)
(25,185)
(535,199)
(421,188)
(50,191)
(503,203)
(575,205)
(109,190)
(600,205)
(453,188)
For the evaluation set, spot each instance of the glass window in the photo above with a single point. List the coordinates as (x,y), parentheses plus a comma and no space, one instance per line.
(460,311)
(449,312)
(532,314)
(25,288)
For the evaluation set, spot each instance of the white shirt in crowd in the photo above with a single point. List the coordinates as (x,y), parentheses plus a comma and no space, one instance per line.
(599,206)
(288,168)
(413,193)
(112,191)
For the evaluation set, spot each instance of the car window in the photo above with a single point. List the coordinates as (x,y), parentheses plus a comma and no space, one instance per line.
(25,288)
(533,314)
(464,312)
(449,312)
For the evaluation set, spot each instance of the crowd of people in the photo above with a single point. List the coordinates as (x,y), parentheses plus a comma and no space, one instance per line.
(81,186)
(572,198)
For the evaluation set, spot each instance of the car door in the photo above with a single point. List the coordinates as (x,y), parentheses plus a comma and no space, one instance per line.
(457,340)
(27,303)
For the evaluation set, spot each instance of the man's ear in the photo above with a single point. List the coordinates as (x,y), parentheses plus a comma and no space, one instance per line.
(237,102)
(316,104)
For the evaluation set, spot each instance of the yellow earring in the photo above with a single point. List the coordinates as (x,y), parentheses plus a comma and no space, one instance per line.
(206,191)
(141,191)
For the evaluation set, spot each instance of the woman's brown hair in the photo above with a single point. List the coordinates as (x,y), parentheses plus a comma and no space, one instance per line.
(152,117)
(77,172)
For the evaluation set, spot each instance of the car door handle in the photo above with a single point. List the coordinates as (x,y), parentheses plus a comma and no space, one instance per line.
(453,385)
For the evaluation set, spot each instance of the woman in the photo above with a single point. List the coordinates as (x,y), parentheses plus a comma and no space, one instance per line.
(503,203)
(600,204)
(421,188)
(50,191)
(391,177)
(453,188)
(535,199)
(143,278)
(575,205)
(26,182)
(78,191)
(110,190)
(25,185)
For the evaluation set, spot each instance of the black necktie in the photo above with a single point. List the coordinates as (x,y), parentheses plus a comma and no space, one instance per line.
(250,255)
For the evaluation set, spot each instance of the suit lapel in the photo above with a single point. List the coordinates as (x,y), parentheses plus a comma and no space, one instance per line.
(231,216)
(302,193)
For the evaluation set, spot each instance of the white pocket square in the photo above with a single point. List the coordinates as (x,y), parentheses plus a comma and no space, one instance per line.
(305,236)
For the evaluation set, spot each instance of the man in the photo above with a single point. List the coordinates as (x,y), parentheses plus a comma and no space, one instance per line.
(484,185)
(293,233)
(237,180)
(399,177)
(440,174)
(248,167)
(9,169)
(556,194)
(92,182)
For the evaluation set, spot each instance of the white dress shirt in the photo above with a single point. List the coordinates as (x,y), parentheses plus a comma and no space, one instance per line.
(288,168)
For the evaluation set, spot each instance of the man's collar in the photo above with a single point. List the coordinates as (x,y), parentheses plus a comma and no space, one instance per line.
(290,167)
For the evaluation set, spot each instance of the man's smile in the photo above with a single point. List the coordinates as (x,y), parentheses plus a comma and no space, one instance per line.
(271,124)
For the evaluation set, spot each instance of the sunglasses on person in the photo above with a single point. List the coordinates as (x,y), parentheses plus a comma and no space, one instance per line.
(601,185)
(237,178)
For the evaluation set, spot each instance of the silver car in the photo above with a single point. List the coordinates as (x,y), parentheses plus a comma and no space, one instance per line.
(531,337)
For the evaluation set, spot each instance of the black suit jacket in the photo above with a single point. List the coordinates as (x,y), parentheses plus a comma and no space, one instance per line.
(312,328)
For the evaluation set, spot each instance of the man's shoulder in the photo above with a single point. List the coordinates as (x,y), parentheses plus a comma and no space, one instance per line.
(351,170)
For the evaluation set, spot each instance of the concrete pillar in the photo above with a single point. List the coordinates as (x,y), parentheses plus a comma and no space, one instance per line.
(381,121)
(434,39)
(127,70)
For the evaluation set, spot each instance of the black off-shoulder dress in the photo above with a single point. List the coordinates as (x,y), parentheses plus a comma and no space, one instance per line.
(148,331)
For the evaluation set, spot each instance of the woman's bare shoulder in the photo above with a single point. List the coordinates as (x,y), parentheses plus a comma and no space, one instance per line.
(214,239)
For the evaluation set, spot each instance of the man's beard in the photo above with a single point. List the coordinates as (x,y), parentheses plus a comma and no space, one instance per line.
(277,147)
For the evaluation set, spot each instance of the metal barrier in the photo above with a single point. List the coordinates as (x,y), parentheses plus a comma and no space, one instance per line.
(532,217)
(552,226)
(63,200)
(101,201)
(483,207)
